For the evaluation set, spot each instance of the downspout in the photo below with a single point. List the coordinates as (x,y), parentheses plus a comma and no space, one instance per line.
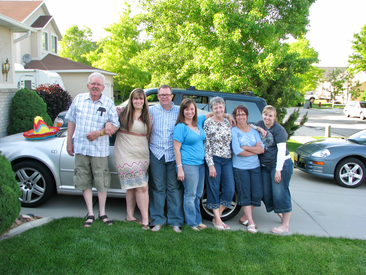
(22,37)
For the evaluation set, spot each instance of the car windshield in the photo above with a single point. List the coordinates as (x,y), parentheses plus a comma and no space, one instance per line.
(359,137)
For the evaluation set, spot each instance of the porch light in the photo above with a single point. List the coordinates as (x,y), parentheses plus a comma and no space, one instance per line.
(6,68)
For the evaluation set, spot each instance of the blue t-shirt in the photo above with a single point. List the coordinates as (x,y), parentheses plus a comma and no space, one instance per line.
(192,150)
(240,139)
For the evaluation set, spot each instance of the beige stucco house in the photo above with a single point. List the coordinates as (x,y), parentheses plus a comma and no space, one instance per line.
(28,29)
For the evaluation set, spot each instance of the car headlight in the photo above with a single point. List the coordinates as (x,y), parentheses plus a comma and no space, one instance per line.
(321,154)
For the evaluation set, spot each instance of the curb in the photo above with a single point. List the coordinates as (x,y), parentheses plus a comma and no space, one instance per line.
(25,226)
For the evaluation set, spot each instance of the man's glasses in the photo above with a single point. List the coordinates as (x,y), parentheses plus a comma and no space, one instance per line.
(164,95)
(96,84)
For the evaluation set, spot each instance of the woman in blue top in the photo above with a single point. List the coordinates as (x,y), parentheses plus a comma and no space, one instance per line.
(247,144)
(189,156)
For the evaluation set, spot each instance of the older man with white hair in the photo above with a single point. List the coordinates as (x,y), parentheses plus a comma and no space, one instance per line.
(88,115)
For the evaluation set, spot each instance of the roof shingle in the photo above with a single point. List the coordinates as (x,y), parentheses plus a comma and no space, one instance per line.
(18,10)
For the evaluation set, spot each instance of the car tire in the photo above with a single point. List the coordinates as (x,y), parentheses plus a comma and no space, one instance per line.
(350,173)
(346,114)
(35,181)
(228,213)
(362,116)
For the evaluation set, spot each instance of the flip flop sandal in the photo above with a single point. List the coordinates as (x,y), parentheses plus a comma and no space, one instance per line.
(202,226)
(156,228)
(278,231)
(145,226)
(251,229)
(226,226)
(135,220)
(107,222)
(245,223)
(88,224)
(177,229)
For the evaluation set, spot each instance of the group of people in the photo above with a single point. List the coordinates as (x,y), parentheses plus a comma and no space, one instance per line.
(164,152)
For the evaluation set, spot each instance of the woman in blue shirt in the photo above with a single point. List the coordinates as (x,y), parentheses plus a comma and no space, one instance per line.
(247,144)
(189,156)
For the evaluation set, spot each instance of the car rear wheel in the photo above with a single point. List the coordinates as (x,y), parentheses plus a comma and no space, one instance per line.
(228,213)
(346,114)
(362,116)
(35,181)
(350,173)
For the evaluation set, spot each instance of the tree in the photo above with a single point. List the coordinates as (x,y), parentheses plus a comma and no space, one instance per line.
(352,86)
(117,51)
(217,45)
(336,79)
(358,59)
(77,43)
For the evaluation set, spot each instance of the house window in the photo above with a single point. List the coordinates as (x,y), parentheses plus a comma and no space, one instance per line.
(54,44)
(45,41)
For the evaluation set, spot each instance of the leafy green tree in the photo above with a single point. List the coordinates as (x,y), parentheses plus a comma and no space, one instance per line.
(337,80)
(357,60)
(77,43)
(352,86)
(217,45)
(117,51)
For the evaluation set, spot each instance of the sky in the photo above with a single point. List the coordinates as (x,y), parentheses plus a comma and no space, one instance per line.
(330,32)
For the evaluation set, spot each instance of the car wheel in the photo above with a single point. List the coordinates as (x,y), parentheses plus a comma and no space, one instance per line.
(35,181)
(228,213)
(346,114)
(350,173)
(362,116)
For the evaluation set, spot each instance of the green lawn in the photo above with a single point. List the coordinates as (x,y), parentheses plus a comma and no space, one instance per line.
(64,246)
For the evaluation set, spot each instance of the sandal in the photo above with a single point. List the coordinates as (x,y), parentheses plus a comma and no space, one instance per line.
(177,229)
(107,222)
(135,220)
(195,228)
(251,229)
(145,226)
(156,228)
(88,224)
(245,223)
(218,226)
(202,226)
(226,226)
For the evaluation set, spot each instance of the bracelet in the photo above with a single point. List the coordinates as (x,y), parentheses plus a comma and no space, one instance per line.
(179,165)
(101,132)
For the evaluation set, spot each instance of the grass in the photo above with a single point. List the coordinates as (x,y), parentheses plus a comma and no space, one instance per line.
(292,146)
(63,246)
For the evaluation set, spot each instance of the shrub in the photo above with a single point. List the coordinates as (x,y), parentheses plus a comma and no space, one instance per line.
(9,195)
(25,106)
(291,124)
(55,97)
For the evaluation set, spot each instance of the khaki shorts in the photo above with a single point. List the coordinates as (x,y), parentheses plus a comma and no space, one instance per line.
(89,170)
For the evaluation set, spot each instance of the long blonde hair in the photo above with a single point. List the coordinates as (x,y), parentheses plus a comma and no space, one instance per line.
(126,117)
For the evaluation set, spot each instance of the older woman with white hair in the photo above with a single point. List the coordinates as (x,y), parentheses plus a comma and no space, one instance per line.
(218,158)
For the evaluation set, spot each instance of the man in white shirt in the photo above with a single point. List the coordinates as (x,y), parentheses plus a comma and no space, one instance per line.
(87,115)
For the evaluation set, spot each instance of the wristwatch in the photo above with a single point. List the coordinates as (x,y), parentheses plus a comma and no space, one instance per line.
(101,132)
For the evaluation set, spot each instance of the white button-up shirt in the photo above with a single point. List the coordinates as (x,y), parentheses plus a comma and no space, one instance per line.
(90,116)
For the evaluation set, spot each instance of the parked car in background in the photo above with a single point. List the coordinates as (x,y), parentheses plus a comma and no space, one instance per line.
(44,166)
(355,109)
(335,158)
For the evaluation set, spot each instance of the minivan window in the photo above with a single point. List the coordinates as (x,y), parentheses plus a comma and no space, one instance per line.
(201,101)
(254,113)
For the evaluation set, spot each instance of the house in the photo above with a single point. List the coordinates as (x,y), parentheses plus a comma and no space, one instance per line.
(27,29)
(8,87)
(322,90)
